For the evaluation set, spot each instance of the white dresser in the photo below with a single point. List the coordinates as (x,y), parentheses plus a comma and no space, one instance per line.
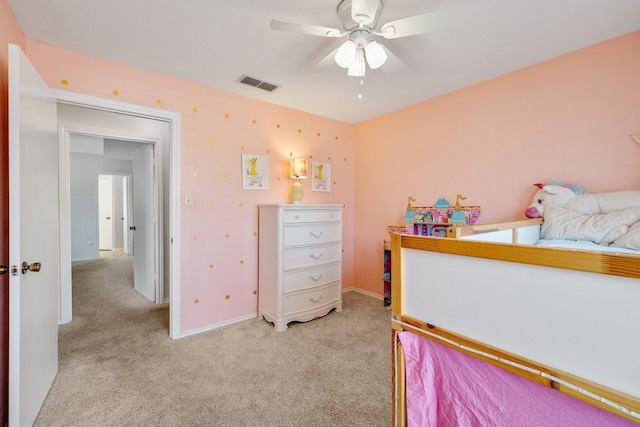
(300,262)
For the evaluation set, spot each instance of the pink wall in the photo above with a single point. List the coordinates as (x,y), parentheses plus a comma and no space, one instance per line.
(563,118)
(569,118)
(10,32)
(219,270)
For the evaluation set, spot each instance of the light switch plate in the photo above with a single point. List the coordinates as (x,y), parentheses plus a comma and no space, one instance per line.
(188,200)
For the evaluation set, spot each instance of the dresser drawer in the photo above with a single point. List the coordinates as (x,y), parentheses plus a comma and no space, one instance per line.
(304,301)
(295,216)
(304,279)
(311,234)
(310,256)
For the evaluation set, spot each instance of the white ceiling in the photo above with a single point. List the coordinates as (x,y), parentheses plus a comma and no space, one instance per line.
(214,42)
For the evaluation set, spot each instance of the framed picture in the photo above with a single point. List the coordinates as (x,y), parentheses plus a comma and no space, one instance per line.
(255,172)
(321,176)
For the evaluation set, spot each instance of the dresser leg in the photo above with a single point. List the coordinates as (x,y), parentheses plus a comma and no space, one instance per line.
(280,325)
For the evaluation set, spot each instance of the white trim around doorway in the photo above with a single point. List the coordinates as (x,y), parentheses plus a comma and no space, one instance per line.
(174,120)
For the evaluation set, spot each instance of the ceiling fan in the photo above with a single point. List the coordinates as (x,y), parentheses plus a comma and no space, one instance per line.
(359,20)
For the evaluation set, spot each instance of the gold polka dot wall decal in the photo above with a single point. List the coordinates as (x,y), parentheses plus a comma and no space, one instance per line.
(116,93)
(226,175)
(255,233)
(226,236)
(226,116)
(64,82)
(345,159)
(278,178)
(240,204)
(278,126)
(268,151)
(210,265)
(253,121)
(336,137)
(318,133)
(255,292)
(196,173)
(299,130)
(196,301)
(211,142)
(158,101)
(329,158)
(210,205)
(194,109)
(195,237)
(227,296)
(242,148)
(241,261)
(310,156)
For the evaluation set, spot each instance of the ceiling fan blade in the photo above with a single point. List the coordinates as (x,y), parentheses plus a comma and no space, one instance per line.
(313,30)
(324,63)
(392,64)
(419,24)
(364,11)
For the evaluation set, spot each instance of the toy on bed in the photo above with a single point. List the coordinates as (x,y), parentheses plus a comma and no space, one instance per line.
(571,213)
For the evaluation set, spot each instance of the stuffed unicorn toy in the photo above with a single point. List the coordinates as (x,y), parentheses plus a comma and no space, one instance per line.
(577,199)
(571,213)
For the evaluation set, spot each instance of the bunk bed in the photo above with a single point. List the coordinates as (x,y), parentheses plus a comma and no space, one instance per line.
(563,318)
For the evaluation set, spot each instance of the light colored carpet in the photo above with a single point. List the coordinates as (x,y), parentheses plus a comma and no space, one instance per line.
(118,366)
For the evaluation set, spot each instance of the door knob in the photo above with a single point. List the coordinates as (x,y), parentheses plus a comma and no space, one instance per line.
(4,269)
(133,227)
(34,266)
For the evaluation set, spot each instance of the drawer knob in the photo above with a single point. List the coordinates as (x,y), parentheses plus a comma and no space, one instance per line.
(315,300)
(316,235)
(315,279)
(316,257)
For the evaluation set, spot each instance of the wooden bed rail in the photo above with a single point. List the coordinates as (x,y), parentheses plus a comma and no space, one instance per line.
(460,231)
(571,259)
(606,263)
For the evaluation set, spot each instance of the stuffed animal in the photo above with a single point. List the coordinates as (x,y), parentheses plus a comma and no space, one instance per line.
(589,203)
(604,218)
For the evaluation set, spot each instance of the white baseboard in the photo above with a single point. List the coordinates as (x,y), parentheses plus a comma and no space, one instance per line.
(362,291)
(218,325)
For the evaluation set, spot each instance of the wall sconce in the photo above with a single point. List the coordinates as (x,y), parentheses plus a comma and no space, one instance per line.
(297,171)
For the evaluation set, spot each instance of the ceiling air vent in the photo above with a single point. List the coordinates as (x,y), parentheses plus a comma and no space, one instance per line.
(269,87)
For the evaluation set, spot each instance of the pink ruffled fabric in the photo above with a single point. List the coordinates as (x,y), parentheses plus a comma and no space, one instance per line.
(446,387)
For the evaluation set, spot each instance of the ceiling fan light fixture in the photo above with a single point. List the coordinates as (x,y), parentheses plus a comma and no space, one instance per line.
(375,54)
(346,54)
(357,67)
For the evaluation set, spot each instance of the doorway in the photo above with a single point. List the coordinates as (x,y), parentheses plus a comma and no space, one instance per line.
(96,116)
(114,203)
(101,221)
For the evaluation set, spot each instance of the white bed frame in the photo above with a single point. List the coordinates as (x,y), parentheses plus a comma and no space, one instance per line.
(569,319)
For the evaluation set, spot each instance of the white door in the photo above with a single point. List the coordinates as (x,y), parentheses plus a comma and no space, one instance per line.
(105,212)
(145,222)
(33,237)
(126,212)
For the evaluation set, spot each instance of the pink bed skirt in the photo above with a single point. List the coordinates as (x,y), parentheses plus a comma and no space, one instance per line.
(445,387)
